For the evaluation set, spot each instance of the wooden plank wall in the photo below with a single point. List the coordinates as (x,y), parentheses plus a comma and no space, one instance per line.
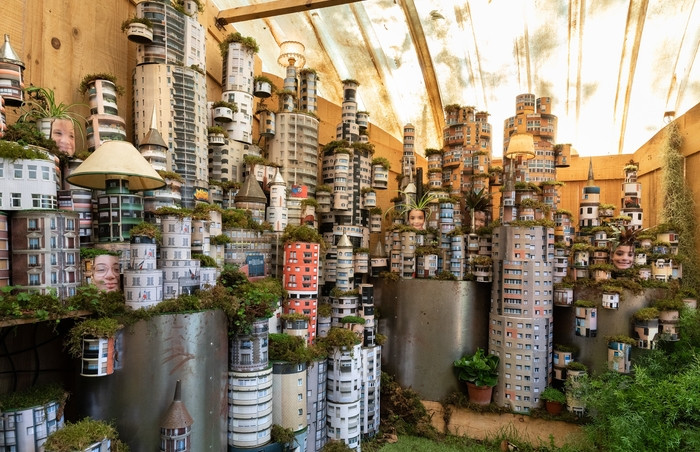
(62,40)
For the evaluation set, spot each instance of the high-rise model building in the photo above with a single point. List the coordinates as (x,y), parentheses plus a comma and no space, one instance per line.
(466,150)
(533,116)
(46,251)
(632,196)
(169,78)
(300,281)
(408,160)
(294,142)
(520,319)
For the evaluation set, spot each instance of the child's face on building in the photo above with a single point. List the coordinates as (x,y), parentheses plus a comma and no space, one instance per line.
(63,133)
(106,272)
(416,219)
(623,257)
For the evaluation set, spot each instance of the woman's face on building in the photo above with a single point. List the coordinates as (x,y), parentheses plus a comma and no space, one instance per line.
(63,133)
(623,257)
(105,272)
(416,219)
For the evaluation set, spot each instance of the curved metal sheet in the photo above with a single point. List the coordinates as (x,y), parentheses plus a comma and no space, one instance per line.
(429,324)
(152,356)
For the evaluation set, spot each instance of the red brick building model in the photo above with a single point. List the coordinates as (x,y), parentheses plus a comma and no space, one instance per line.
(300,280)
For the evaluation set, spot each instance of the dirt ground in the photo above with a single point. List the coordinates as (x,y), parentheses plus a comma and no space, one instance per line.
(488,425)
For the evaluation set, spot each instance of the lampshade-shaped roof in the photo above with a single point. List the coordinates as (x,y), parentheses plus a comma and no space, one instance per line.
(521,144)
(116,160)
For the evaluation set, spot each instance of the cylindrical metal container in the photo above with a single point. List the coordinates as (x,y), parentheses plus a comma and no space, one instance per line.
(152,356)
(429,324)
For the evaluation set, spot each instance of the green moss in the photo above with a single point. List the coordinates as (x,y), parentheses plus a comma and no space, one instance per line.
(352,319)
(646,314)
(205,261)
(621,338)
(89,78)
(224,104)
(216,130)
(79,435)
(103,327)
(678,206)
(585,304)
(31,397)
(341,338)
(384,162)
(9,150)
(147,230)
(246,41)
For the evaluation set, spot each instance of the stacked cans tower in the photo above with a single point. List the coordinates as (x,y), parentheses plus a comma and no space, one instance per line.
(180,271)
(249,390)
(143,281)
(169,78)
(104,122)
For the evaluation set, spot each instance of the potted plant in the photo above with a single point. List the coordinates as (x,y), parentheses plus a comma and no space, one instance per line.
(92,341)
(138,30)
(88,82)
(619,353)
(41,107)
(646,327)
(263,87)
(480,372)
(554,400)
(216,136)
(223,111)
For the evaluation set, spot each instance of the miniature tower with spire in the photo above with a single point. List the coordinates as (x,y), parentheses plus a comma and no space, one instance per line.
(176,426)
(11,72)
(590,201)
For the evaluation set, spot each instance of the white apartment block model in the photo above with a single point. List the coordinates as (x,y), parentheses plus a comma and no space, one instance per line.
(169,80)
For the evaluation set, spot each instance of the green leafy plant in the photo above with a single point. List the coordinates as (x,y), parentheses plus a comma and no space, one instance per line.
(552,394)
(223,103)
(479,368)
(41,103)
(246,41)
(646,314)
(146,229)
(136,20)
(382,161)
(216,130)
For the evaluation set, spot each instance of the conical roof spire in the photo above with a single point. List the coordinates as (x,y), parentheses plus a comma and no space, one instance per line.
(344,241)
(591,181)
(8,55)
(378,250)
(153,137)
(251,191)
(177,415)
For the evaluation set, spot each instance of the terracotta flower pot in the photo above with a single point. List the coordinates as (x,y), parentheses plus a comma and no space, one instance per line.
(554,408)
(481,395)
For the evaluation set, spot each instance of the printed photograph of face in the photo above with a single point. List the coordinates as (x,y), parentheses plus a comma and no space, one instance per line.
(105,272)
(623,257)
(63,133)
(416,219)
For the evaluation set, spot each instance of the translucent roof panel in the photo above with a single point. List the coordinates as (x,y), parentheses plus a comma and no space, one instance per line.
(614,69)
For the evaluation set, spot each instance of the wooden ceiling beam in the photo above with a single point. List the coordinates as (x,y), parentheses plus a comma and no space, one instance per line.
(274,8)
